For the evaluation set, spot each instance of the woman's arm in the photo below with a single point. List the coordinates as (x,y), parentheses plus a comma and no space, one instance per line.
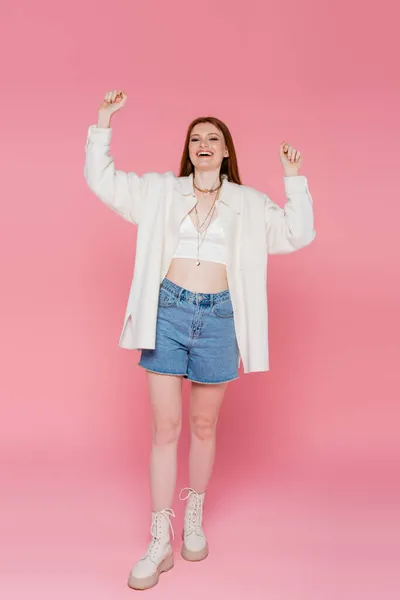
(122,192)
(291,227)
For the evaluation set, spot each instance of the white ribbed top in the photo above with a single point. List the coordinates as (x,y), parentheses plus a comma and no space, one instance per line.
(212,248)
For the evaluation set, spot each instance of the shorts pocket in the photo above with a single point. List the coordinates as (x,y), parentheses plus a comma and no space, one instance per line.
(224,309)
(166,299)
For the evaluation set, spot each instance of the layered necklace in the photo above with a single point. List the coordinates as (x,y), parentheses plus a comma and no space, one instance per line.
(208,219)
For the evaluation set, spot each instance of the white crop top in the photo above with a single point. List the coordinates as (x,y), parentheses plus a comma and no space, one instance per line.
(212,247)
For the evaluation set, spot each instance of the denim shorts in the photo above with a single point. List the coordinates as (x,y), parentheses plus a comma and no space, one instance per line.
(195,336)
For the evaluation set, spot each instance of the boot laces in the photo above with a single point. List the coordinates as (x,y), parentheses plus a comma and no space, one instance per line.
(195,512)
(156,531)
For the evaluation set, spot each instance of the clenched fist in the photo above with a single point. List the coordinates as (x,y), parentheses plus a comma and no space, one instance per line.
(291,159)
(113,101)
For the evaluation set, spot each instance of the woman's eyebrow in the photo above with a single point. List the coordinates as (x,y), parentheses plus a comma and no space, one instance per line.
(212,133)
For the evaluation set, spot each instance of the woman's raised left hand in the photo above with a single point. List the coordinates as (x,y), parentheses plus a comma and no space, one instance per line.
(290,158)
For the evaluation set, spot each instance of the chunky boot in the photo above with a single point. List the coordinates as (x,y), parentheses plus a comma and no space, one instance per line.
(194,545)
(159,557)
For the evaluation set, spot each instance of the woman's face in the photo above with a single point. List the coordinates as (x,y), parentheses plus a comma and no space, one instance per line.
(207,147)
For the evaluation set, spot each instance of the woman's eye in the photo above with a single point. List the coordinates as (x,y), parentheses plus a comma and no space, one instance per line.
(213,139)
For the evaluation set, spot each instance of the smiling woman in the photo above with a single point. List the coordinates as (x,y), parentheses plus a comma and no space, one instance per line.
(197,304)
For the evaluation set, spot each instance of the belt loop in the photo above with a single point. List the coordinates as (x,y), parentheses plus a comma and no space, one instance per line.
(180,294)
(211,300)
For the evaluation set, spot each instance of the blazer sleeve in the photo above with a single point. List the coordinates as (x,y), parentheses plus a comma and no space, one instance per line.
(291,227)
(123,192)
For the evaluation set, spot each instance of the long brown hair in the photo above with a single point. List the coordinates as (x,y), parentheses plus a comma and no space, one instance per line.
(229,164)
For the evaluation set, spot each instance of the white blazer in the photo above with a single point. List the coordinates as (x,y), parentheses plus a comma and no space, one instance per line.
(254,227)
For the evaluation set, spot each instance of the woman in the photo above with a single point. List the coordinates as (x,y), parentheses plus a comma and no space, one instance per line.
(197,305)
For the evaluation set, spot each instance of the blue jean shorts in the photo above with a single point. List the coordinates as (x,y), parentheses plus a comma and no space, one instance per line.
(195,336)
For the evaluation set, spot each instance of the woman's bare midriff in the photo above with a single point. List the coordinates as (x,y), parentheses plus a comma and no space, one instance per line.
(208,278)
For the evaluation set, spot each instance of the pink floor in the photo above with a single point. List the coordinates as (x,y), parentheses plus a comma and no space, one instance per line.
(322,537)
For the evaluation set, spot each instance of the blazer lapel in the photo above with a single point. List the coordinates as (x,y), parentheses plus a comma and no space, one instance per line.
(229,210)
(183,201)
(180,203)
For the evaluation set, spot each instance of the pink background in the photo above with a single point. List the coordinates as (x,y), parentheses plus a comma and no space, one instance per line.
(303,502)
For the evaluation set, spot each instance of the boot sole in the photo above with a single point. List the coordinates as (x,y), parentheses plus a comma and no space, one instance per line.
(146,583)
(194,556)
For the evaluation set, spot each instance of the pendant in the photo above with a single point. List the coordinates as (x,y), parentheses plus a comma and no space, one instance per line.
(197,263)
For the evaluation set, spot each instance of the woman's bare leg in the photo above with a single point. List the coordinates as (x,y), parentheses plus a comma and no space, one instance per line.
(205,402)
(166,403)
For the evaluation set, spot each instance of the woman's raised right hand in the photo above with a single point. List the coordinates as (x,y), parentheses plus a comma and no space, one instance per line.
(113,101)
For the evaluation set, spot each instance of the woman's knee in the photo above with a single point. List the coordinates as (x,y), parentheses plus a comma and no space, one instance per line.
(203,426)
(166,431)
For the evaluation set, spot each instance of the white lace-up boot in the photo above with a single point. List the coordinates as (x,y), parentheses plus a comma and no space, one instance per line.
(194,545)
(159,556)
